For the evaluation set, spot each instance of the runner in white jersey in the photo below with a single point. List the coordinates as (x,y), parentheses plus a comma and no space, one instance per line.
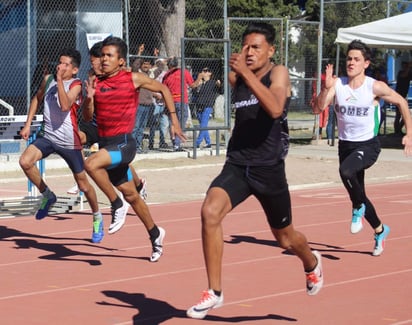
(61,95)
(358,118)
(60,126)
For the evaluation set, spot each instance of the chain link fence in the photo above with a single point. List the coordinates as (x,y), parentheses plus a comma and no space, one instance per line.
(33,33)
(348,13)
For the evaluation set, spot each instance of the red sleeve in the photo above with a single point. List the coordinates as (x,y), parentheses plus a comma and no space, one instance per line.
(188,78)
(76,82)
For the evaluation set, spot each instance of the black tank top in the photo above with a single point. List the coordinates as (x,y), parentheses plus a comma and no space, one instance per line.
(257,139)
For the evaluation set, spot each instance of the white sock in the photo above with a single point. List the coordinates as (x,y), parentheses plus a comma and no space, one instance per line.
(97,216)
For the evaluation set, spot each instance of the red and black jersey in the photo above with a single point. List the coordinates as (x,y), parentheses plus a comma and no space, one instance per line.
(115,104)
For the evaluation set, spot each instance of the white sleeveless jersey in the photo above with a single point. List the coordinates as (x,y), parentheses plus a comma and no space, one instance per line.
(61,127)
(357,115)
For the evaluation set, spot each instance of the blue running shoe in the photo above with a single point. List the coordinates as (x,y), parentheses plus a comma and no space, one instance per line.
(98,232)
(357,219)
(380,241)
(46,204)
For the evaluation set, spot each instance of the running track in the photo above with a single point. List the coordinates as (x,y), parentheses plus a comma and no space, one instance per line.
(52,274)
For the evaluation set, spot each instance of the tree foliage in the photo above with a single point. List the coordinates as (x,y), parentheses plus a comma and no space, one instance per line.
(162,23)
(157,24)
(347,14)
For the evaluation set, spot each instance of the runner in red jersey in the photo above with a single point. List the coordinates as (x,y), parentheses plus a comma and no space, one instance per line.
(114,97)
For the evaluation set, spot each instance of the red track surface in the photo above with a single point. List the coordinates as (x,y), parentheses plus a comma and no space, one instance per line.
(52,274)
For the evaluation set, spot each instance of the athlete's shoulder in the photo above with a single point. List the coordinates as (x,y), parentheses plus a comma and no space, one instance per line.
(74,82)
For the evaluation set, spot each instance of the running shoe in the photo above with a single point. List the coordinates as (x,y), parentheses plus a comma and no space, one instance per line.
(380,241)
(118,217)
(73,190)
(357,219)
(208,301)
(157,246)
(143,190)
(46,204)
(314,279)
(98,232)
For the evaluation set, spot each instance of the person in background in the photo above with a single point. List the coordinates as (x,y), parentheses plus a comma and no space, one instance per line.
(160,119)
(145,108)
(172,79)
(403,80)
(206,93)
(324,116)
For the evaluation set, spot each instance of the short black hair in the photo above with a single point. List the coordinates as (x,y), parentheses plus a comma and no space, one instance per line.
(73,54)
(265,29)
(118,43)
(172,62)
(359,45)
(96,49)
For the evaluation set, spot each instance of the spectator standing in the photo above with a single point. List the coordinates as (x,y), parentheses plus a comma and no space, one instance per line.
(380,76)
(324,116)
(403,80)
(160,119)
(172,79)
(145,108)
(206,93)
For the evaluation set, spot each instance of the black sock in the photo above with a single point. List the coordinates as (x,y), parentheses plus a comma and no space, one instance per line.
(139,187)
(116,204)
(313,269)
(217,293)
(378,233)
(154,233)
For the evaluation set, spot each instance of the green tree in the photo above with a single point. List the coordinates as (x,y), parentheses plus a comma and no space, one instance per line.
(347,14)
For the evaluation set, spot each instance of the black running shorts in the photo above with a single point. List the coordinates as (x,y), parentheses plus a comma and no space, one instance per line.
(267,183)
(122,150)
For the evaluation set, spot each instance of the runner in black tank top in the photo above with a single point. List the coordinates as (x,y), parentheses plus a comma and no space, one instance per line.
(257,139)
(255,164)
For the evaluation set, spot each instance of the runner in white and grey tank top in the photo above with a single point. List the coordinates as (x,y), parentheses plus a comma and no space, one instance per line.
(357,115)
(358,118)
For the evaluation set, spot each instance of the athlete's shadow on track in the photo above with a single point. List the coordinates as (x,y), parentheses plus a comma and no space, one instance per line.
(154,312)
(6,232)
(62,252)
(323,248)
